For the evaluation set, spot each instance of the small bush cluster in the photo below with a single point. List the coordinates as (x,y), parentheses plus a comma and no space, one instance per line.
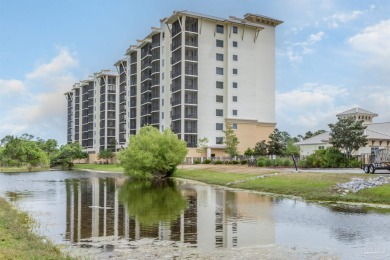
(266,162)
(328,158)
(207,161)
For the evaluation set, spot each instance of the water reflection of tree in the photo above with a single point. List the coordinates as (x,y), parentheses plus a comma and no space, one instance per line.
(152,201)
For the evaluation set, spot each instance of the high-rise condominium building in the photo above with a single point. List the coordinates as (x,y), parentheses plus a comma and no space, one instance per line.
(194,74)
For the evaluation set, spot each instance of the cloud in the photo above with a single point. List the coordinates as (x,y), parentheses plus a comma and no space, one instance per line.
(335,20)
(37,109)
(373,40)
(11,87)
(376,100)
(57,66)
(310,107)
(296,50)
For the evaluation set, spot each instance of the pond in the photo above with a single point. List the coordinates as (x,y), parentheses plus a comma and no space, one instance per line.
(72,206)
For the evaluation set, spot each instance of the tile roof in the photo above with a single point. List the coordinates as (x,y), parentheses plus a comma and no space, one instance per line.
(356,110)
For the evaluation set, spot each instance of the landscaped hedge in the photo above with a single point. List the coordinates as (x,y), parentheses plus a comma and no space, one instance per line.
(328,158)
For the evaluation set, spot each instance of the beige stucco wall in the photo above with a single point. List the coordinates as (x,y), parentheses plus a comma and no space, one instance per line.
(249,133)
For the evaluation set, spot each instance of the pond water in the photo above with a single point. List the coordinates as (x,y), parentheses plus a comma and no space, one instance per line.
(71,206)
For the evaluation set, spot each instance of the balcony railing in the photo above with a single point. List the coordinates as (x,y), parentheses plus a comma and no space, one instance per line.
(191,101)
(176,102)
(191,115)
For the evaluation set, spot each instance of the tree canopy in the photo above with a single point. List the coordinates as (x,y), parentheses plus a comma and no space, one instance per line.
(231,141)
(202,145)
(152,154)
(106,155)
(348,135)
(276,143)
(22,151)
(65,156)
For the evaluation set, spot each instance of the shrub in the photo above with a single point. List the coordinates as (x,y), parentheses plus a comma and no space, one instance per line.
(218,162)
(235,162)
(197,161)
(328,158)
(243,162)
(287,162)
(261,161)
(268,162)
(207,161)
(278,162)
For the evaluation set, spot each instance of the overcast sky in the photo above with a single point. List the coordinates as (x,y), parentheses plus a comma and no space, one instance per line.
(331,56)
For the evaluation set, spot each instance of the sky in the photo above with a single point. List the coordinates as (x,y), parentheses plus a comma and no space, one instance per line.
(331,55)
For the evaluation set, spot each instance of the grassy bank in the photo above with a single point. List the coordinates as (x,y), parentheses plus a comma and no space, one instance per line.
(22,169)
(16,239)
(310,186)
(99,167)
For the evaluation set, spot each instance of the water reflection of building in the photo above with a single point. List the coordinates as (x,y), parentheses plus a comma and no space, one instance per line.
(230,219)
(93,210)
(213,218)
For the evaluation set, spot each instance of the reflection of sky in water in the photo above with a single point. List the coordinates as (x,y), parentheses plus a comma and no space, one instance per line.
(76,206)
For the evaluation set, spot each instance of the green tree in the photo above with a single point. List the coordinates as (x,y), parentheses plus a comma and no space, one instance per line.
(310,134)
(202,145)
(67,154)
(231,141)
(260,148)
(106,155)
(49,146)
(292,149)
(152,154)
(276,144)
(249,152)
(22,151)
(348,135)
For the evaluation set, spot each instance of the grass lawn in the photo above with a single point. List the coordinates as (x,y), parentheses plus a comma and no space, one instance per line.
(16,239)
(99,167)
(310,186)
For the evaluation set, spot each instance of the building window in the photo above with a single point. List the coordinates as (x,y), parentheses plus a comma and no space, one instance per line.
(163,63)
(321,147)
(219,140)
(235,29)
(220,84)
(235,57)
(235,44)
(219,99)
(162,115)
(234,126)
(235,71)
(219,71)
(162,102)
(219,43)
(234,112)
(219,57)
(219,28)
(219,112)
(219,126)
(234,98)
(235,85)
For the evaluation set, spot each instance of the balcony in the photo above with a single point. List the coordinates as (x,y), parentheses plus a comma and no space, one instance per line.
(176,116)
(155,94)
(192,101)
